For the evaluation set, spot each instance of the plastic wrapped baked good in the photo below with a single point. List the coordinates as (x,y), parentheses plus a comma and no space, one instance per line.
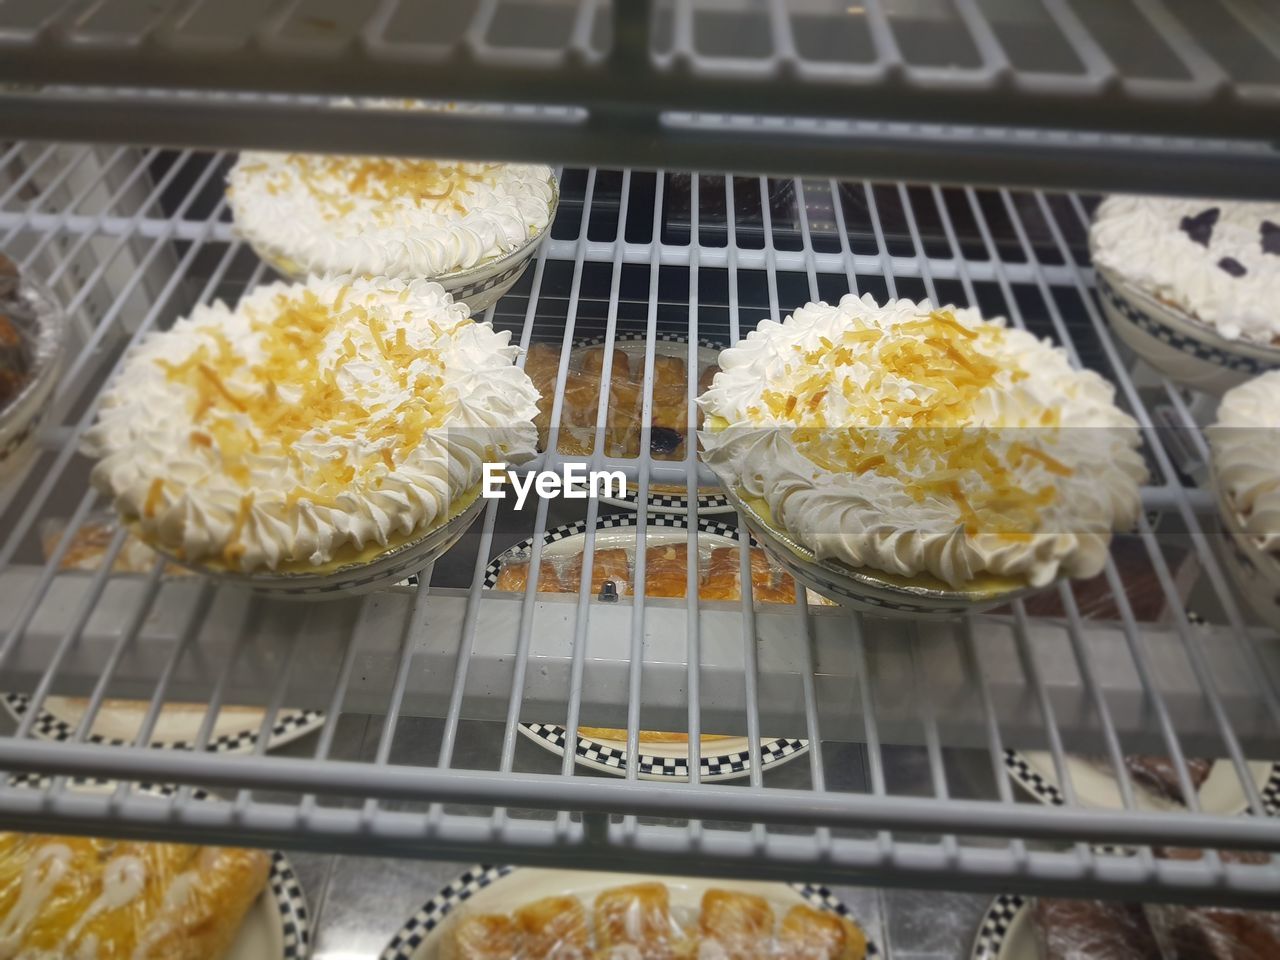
(639,922)
(77,896)
(722,580)
(1214,933)
(88,547)
(1092,930)
(1159,775)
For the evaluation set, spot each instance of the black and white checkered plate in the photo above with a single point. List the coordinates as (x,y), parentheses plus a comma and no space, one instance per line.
(666,500)
(503,889)
(723,759)
(1005,932)
(277,924)
(238,733)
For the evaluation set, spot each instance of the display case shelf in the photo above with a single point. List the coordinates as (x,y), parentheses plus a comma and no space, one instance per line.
(1175,95)
(133,239)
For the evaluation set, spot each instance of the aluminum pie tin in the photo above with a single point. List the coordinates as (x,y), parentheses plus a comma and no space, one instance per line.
(21,419)
(864,589)
(479,286)
(351,579)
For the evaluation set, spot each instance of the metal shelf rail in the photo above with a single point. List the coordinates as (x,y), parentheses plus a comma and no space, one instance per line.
(1095,670)
(1177,95)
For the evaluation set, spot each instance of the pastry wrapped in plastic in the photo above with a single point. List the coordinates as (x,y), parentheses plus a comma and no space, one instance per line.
(1099,930)
(89,544)
(611,564)
(809,934)
(554,927)
(637,916)
(1160,776)
(740,925)
(666,570)
(578,414)
(669,416)
(1215,933)
(514,577)
(67,896)
(542,363)
(485,936)
(593,363)
(722,580)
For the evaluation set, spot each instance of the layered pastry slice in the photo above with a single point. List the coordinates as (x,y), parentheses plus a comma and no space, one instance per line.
(1097,929)
(933,447)
(636,921)
(79,897)
(723,578)
(313,427)
(1215,933)
(386,216)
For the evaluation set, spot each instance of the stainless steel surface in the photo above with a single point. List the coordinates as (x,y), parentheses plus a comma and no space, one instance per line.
(1147,94)
(1112,666)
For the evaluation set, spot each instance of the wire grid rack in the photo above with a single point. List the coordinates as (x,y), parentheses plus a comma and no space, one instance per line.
(132,239)
(687,83)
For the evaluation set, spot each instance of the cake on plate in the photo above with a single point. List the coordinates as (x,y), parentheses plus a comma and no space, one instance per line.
(928,444)
(312,427)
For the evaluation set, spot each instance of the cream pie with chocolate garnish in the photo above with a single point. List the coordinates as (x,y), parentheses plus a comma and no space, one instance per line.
(934,448)
(1191,284)
(1245,448)
(398,217)
(32,339)
(312,428)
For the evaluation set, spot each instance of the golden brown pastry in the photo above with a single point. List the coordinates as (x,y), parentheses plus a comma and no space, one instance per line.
(704,384)
(514,577)
(152,901)
(638,915)
(669,417)
(809,934)
(553,927)
(485,936)
(542,364)
(611,564)
(625,400)
(738,923)
(721,581)
(88,548)
(666,570)
(578,414)
(593,363)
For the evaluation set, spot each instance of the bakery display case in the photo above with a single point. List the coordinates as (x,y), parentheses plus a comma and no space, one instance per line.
(637,709)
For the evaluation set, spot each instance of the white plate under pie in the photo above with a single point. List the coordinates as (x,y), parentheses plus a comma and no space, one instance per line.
(1007,931)
(727,758)
(235,731)
(1095,787)
(505,889)
(665,498)
(276,925)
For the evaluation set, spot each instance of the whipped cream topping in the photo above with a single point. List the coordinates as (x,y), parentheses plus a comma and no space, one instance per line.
(312,214)
(920,441)
(1218,261)
(309,423)
(1246,456)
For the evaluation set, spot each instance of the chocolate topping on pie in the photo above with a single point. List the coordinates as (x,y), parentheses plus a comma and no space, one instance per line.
(1232,266)
(1200,227)
(1270,237)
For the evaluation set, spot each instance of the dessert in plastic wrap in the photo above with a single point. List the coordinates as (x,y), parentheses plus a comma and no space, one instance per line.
(1159,775)
(89,545)
(666,567)
(1215,933)
(81,897)
(638,922)
(15,351)
(668,416)
(1092,930)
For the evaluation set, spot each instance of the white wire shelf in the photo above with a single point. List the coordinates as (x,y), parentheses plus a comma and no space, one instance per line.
(132,239)
(1176,95)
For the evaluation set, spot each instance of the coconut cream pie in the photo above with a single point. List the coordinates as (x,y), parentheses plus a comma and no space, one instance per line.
(386,216)
(314,425)
(1215,260)
(1246,457)
(924,443)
